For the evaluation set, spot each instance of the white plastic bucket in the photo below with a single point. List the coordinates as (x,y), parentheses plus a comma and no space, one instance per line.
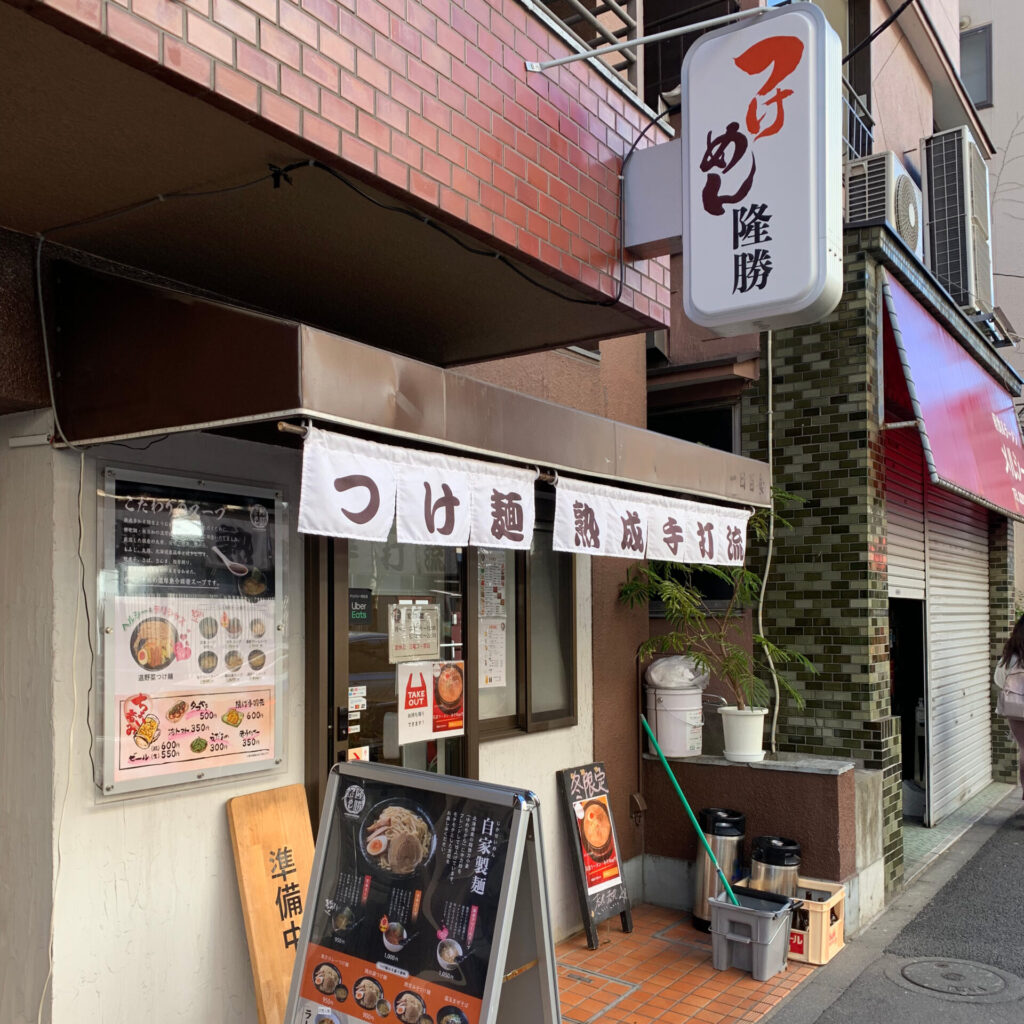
(676,717)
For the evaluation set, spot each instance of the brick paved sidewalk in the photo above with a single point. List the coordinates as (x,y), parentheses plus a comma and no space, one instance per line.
(661,972)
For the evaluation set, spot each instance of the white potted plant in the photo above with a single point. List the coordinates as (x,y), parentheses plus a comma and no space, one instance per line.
(709,638)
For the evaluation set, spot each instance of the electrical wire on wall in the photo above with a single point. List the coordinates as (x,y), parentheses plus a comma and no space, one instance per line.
(770,416)
(80,601)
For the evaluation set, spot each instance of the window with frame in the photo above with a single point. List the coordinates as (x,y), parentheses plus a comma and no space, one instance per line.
(976,64)
(539,655)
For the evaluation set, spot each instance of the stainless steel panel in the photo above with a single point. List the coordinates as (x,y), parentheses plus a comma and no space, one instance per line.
(706,883)
(491,419)
(655,460)
(346,382)
(777,878)
(366,385)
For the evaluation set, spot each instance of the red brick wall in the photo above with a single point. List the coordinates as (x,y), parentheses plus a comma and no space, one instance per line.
(429,98)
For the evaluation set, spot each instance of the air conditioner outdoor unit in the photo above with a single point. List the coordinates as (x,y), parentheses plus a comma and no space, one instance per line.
(879,188)
(954,179)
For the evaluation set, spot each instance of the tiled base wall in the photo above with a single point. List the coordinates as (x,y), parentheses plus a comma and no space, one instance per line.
(668,882)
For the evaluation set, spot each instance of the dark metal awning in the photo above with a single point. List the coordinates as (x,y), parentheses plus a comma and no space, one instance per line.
(83,134)
(135,360)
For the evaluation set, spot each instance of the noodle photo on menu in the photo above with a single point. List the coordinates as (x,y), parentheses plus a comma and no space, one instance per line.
(397,839)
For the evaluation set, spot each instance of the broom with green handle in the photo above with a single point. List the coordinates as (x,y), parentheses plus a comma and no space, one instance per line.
(693,820)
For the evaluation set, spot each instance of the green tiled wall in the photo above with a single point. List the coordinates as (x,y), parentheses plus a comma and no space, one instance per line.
(1001,617)
(827,592)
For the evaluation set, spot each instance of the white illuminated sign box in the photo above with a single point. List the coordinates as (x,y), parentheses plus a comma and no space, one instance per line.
(762,151)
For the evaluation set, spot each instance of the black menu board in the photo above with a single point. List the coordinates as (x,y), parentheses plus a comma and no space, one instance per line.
(401,919)
(171,540)
(594,848)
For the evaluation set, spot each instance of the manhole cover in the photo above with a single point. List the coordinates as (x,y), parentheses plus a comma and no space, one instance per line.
(954,977)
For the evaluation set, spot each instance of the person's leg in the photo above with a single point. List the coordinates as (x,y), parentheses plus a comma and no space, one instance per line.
(1017,729)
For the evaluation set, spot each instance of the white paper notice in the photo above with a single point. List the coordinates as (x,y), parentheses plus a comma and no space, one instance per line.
(413,632)
(492,652)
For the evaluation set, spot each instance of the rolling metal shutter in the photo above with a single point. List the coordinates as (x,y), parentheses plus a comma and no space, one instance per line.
(959,746)
(904,513)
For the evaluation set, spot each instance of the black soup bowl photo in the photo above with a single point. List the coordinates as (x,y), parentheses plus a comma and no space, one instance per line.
(397,838)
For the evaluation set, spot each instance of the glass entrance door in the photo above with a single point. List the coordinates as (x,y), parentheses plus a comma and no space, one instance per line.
(402,598)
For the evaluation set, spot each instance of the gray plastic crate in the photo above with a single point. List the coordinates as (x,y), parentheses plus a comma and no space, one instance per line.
(752,937)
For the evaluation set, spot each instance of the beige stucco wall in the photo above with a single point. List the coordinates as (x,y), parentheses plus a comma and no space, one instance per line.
(1004,124)
(27,736)
(530,762)
(945,16)
(901,99)
(1003,121)
(147,920)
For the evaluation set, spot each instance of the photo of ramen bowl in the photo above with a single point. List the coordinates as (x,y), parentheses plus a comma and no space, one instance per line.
(397,838)
(208,627)
(367,993)
(343,920)
(448,687)
(257,659)
(257,627)
(449,953)
(208,662)
(177,711)
(252,586)
(326,978)
(410,1008)
(233,627)
(596,829)
(451,1015)
(152,644)
(395,936)
(233,661)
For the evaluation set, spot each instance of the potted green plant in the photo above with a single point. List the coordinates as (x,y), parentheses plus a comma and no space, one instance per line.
(709,637)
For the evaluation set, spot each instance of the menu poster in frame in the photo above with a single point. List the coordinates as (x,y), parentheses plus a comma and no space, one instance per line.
(424,889)
(594,848)
(192,635)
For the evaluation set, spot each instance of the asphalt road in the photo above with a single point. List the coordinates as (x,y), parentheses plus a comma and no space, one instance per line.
(959,929)
(979,914)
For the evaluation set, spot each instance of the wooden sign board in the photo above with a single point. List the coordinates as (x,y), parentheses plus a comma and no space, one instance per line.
(273,844)
(427,903)
(594,846)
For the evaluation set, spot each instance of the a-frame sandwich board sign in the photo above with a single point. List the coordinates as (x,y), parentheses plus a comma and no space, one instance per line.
(594,848)
(427,904)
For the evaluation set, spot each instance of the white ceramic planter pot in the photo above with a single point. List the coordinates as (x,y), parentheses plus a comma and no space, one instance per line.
(743,731)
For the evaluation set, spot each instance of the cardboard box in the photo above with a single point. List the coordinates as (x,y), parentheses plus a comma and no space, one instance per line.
(817,931)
